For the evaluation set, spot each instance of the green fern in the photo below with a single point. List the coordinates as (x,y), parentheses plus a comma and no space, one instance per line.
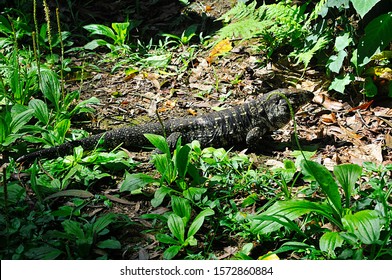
(274,24)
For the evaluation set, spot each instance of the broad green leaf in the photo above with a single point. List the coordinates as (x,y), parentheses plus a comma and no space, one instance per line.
(41,111)
(377,37)
(102,222)
(362,7)
(335,62)
(135,181)
(20,119)
(159,142)
(286,210)
(61,129)
(199,220)
(99,29)
(182,160)
(122,32)
(176,226)
(347,175)
(194,194)
(342,42)
(96,43)
(171,252)
(43,253)
(109,244)
(370,88)
(167,239)
(293,246)
(366,225)
(159,195)
(73,228)
(50,86)
(181,207)
(339,83)
(325,180)
(329,241)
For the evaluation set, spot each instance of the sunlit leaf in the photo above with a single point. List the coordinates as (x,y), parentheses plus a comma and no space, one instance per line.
(329,241)
(135,181)
(347,175)
(362,7)
(198,221)
(176,227)
(366,225)
(325,180)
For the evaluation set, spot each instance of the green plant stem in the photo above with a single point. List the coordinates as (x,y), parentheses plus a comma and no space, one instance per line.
(62,53)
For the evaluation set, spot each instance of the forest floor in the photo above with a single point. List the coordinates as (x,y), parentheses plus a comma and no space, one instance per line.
(331,125)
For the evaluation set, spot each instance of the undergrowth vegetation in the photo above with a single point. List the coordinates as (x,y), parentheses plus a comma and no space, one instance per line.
(212,198)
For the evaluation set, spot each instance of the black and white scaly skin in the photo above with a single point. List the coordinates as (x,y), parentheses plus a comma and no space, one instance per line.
(245,123)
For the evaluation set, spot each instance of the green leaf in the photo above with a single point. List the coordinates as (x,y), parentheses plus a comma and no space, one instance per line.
(342,42)
(194,194)
(61,129)
(182,160)
(283,211)
(109,244)
(339,83)
(167,239)
(329,241)
(159,195)
(99,29)
(102,222)
(199,220)
(20,119)
(96,43)
(325,180)
(347,175)
(43,253)
(370,88)
(335,62)
(121,28)
(159,142)
(377,37)
(73,228)
(362,7)
(41,111)
(171,252)
(181,207)
(135,181)
(50,86)
(176,226)
(366,225)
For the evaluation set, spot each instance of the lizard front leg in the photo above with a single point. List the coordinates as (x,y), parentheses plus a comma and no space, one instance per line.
(254,136)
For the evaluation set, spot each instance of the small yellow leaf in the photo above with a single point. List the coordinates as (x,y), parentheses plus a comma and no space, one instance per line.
(269,257)
(222,47)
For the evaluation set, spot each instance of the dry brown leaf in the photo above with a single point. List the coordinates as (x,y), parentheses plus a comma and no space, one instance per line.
(222,47)
(388,140)
(327,102)
(118,200)
(363,106)
(328,119)
(192,112)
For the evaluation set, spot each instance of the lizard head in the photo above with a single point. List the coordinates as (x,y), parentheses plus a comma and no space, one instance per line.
(276,106)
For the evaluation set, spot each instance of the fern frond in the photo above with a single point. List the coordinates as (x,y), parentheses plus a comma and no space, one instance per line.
(244,29)
(306,55)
